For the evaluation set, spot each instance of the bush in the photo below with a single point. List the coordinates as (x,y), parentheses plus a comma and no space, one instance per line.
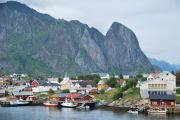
(178,91)
(50,92)
(102,91)
(118,94)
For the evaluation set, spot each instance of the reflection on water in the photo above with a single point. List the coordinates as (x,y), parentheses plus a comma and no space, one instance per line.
(45,113)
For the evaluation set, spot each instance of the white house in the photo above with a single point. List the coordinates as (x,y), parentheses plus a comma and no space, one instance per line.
(53,80)
(145,75)
(126,76)
(164,83)
(46,87)
(104,75)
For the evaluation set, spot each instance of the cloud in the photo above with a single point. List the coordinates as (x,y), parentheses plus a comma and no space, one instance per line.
(155,22)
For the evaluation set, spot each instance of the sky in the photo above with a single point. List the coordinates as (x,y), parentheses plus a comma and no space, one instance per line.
(156,23)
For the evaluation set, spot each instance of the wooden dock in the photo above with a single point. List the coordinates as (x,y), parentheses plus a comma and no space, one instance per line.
(175,110)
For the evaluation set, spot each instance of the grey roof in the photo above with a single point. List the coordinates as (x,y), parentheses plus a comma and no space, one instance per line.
(84,83)
(162,97)
(41,81)
(23,93)
(51,84)
(63,94)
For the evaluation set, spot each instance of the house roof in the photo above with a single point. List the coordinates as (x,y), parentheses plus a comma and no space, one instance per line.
(84,83)
(83,95)
(23,93)
(101,82)
(121,81)
(73,95)
(41,81)
(51,84)
(162,97)
(63,94)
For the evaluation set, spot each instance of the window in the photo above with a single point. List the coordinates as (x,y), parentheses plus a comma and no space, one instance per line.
(149,86)
(154,103)
(172,103)
(161,86)
(155,86)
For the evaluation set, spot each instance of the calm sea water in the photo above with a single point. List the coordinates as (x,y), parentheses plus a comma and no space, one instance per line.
(44,113)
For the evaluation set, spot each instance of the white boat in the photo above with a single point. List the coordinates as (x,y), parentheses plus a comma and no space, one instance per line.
(19,102)
(133,111)
(50,104)
(68,104)
(157,111)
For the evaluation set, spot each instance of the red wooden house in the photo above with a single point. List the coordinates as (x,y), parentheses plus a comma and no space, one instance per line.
(35,83)
(162,101)
(75,97)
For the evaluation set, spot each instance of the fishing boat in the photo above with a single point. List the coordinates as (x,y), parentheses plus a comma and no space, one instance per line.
(133,111)
(68,104)
(157,111)
(50,104)
(19,102)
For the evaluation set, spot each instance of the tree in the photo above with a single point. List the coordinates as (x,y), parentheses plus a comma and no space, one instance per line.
(139,76)
(118,94)
(111,82)
(60,79)
(178,78)
(94,77)
(66,91)
(51,92)
(121,76)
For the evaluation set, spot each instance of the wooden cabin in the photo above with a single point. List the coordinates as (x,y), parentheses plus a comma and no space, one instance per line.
(162,101)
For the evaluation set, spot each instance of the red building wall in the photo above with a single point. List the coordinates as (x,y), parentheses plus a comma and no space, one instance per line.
(163,104)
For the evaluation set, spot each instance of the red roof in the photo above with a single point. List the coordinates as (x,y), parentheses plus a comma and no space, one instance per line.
(72,96)
(121,81)
(35,83)
(155,75)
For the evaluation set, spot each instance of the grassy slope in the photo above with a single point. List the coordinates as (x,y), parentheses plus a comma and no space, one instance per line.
(178,96)
(131,95)
(107,96)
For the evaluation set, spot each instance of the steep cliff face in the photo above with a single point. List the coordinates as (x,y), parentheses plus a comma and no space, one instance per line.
(123,50)
(40,44)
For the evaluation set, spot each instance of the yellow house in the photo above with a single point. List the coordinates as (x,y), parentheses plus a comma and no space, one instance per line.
(101,85)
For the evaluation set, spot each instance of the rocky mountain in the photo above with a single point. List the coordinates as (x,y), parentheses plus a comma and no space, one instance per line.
(165,66)
(37,43)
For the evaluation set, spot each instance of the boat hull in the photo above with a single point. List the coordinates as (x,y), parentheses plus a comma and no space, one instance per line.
(133,112)
(67,105)
(50,105)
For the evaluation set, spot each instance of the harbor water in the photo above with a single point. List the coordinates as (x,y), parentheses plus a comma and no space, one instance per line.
(45,113)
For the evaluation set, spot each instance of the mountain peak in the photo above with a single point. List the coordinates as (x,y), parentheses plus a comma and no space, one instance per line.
(15,5)
(116,26)
(23,9)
